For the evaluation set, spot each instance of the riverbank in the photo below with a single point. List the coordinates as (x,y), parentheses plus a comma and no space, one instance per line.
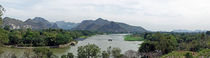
(72,43)
(59,46)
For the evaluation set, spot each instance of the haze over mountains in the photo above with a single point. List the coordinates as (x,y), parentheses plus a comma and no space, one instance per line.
(100,24)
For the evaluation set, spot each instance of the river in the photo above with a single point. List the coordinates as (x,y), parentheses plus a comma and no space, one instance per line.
(99,40)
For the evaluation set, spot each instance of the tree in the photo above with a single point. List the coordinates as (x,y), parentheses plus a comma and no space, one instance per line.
(147,47)
(188,55)
(3,36)
(116,52)
(62,39)
(7,28)
(64,56)
(30,36)
(42,53)
(1,13)
(105,54)
(50,38)
(88,51)
(131,54)
(167,44)
(15,37)
(70,55)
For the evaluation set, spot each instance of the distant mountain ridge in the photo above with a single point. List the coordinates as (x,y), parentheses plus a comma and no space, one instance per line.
(35,23)
(103,25)
(100,24)
(188,31)
(66,25)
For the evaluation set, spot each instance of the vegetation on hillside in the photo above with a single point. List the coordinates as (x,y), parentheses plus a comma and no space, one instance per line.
(188,54)
(180,54)
(46,37)
(158,44)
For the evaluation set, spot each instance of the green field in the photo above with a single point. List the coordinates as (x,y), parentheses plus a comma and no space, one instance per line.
(133,38)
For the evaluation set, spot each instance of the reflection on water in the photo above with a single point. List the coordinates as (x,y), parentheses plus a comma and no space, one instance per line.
(99,40)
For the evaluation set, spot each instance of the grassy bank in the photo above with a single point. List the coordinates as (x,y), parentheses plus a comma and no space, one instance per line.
(133,38)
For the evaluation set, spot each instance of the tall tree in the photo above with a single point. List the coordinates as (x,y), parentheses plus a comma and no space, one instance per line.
(88,51)
(105,54)
(1,13)
(116,53)
(167,44)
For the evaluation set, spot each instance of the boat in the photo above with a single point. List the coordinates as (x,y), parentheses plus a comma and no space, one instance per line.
(109,39)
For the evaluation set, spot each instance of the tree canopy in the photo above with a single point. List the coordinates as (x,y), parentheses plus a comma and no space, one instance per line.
(88,51)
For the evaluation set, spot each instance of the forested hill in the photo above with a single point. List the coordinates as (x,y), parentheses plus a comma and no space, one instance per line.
(103,25)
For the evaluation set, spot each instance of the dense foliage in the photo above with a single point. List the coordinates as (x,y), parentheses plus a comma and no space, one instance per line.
(93,51)
(42,53)
(157,44)
(46,37)
(89,51)
(69,55)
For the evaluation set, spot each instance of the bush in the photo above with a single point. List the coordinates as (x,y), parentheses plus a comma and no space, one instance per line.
(189,55)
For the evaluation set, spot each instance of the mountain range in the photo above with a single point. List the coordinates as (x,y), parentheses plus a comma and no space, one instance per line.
(35,23)
(103,25)
(99,24)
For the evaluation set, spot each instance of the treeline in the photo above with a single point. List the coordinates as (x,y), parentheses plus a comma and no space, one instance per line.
(158,44)
(45,37)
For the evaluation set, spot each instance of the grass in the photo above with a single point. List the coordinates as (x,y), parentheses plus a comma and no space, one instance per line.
(83,36)
(133,38)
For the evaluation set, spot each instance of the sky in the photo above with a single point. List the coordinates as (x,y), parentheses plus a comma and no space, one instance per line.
(154,15)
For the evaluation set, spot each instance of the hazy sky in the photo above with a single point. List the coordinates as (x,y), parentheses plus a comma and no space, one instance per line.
(156,15)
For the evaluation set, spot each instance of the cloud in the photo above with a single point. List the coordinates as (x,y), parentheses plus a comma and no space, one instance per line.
(151,14)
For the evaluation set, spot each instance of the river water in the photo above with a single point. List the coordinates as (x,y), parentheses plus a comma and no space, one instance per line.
(99,40)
